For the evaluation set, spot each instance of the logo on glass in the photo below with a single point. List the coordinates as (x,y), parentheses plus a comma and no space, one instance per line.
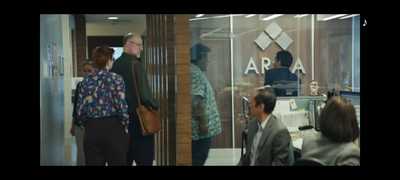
(273,33)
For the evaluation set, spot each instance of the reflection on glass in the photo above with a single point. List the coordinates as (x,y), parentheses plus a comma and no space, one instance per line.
(206,122)
(314,88)
(337,53)
(213,31)
(284,82)
(324,53)
(256,43)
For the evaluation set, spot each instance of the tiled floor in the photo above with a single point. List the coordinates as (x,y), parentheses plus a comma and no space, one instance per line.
(223,157)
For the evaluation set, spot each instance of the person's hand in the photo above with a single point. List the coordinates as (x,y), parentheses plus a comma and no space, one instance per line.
(72,130)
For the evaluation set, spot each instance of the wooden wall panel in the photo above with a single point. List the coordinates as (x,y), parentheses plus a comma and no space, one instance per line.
(184,111)
(167,62)
(80,40)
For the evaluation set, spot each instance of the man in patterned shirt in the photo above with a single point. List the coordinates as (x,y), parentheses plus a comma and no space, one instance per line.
(206,122)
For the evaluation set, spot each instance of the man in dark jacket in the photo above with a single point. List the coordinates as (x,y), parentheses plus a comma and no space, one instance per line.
(280,78)
(141,148)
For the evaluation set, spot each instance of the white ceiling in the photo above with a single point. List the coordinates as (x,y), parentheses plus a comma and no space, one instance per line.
(128,18)
(99,25)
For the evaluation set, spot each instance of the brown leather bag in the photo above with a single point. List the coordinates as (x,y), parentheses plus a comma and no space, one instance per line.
(149,118)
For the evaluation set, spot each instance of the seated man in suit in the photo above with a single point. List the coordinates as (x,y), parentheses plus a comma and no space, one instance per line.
(269,141)
(280,78)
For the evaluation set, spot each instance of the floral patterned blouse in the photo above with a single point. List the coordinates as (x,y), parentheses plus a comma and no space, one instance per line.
(102,94)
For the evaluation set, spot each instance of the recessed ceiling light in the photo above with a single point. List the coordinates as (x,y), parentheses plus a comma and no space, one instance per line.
(112,18)
(250,15)
(199,15)
(215,17)
(349,16)
(301,15)
(333,17)
(272,17)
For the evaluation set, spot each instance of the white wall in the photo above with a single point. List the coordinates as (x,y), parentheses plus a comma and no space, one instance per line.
(55,89)
(68,73)
(108,29)
(51,91)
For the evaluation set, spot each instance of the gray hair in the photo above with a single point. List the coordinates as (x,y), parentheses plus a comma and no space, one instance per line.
(129,36)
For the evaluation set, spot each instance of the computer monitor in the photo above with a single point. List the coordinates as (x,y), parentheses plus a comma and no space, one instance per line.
(117,52)
(353,97)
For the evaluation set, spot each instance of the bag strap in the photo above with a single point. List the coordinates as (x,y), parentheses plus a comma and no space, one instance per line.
(134,75)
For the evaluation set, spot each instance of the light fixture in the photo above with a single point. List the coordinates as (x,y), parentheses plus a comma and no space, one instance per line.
(199,15)
(333,17)
(250,15)
(301,15)
(349,16)
(112,18)
(215,17)
(272,17)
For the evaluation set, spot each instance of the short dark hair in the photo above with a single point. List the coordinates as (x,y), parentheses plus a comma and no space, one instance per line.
(284,58)
(266,97)
(338,120)
(197,51)
(101,55)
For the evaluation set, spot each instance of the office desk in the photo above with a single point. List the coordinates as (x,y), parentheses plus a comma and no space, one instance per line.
(297,138)
(297,143)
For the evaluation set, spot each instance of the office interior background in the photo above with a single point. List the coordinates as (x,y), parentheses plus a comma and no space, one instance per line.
(325,49)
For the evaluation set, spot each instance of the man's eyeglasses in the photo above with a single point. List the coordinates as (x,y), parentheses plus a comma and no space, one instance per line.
(138,44)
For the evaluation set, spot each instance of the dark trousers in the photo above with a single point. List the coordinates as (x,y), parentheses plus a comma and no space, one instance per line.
(105,140)
(141,148)
(200,149)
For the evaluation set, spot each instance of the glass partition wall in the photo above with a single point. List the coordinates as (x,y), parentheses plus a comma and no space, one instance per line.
(242,47)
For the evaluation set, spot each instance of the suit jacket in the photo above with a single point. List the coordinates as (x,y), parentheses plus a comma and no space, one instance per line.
(274,145)
(123,66)
(317,146)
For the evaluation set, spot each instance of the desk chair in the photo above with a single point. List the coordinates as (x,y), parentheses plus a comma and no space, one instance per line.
(285,88)
(297,154)
(308,162)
